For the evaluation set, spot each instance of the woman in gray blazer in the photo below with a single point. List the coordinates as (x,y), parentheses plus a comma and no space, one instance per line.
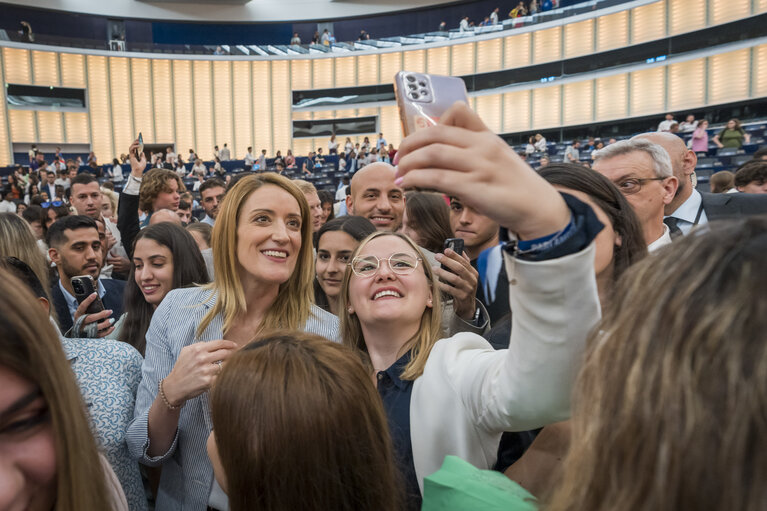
(262,257)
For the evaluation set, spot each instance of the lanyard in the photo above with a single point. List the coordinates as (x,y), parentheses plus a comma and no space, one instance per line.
(700,212)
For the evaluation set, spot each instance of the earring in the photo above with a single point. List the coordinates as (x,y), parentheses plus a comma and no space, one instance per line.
(428,302)
(351,311)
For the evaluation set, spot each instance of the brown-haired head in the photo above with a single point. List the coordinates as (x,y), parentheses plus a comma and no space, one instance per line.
(669,407)
(155,182)
(294,396)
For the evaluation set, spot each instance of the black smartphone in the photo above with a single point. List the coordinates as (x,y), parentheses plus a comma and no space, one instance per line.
(140,148)
(83,286)
(454,244)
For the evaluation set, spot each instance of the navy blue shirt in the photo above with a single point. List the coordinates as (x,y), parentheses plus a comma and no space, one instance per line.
(395,394)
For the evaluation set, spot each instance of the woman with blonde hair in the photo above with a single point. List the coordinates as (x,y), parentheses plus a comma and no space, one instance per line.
(49,456)
(262,258)
(457,395)
(17,240)
(669,406)
(293,396)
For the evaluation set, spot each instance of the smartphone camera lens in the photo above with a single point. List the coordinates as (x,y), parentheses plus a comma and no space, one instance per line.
(412,86)
(414,95)
(77,287)
(410,78)
(422,83)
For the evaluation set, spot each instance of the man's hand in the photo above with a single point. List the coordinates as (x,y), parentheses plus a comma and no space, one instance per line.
(119,264)
(137,166)
(460,282)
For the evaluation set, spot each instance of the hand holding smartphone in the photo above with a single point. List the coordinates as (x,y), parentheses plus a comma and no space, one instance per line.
(140,146)
(454,244)
(423,98)
(83,286)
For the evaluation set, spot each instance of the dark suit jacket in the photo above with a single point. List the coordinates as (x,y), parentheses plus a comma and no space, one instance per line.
(50,190)
(128,221)
(113,299)
(720,206)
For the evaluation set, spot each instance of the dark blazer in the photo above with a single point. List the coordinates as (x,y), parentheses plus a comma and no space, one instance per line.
(720,206)
(113,299)
(49,189)
(128,221)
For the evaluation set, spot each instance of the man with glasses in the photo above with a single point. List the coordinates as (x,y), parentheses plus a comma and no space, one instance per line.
(642,172)
(49,186)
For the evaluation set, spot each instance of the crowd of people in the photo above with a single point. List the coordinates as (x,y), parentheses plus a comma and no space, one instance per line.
(595,343)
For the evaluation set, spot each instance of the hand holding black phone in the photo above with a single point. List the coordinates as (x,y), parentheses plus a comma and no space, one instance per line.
(83,286)
(454,244)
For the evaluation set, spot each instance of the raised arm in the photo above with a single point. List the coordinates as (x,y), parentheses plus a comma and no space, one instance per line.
(127,216)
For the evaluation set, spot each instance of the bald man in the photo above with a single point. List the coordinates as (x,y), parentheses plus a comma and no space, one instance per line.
(690,207)
(375,196)
(165,215)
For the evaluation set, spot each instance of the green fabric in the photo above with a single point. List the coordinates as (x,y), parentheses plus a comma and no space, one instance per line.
(458,485)
(731,138)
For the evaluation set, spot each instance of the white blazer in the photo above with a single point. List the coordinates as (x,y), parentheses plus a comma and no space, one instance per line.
(469,393)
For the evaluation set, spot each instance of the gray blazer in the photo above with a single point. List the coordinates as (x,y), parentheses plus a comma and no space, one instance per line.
(721,206)
(187,474)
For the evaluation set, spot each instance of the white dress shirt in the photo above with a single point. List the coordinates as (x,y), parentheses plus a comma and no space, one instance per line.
(688,211)
(665,239)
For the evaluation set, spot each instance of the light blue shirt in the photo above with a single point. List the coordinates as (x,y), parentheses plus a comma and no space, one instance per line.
(208,220)
(688,211)
(72,301)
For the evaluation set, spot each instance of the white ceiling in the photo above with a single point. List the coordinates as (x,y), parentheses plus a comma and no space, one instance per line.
(229,10)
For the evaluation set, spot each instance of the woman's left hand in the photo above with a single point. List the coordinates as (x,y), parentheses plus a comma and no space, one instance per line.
(460,282)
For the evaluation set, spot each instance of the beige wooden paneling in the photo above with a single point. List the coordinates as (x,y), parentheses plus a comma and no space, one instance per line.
(578,102)
(281,123)
(547,45)
(722,11)
(517,50)
(367,70)
(728,76)
(203,109)
(579,38)
(143,107)
(50,129)
(72,70)
(647,91)
(611,97)
(686,84)
(184,107)
(414,60)
(489,110)
(301,74)
(163,99)
(243,125)
(222,104)
(322,76)
(516,111)
(76,124)
(463,59)
(346,71)
(489,55)
(438,60)
(5,147)
(391,64)
(262,110)
(16,66)
(122,110)
(46,68)
(546,107)
(686,16)
(98,106)
(390,125)
(648,22)
(759,78)
(22,125)
(612,31)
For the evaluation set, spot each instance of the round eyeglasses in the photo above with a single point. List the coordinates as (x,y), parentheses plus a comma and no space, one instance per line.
(400,263)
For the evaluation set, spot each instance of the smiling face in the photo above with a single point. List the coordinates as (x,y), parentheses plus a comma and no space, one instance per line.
(376,197)
(27,446)
(269,235)
(153,271)
(388,296)
(334,249)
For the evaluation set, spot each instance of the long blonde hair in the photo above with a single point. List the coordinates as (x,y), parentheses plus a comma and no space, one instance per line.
(669,407)
(429,331)
(30,347)
(17,240)
(292,307)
